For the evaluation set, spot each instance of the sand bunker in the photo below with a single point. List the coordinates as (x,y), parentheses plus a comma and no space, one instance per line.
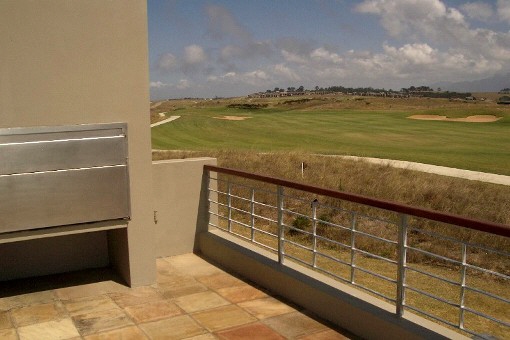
(470,119)
(232,118)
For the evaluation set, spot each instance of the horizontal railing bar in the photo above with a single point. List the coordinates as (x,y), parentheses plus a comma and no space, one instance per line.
(265,218)
(265,205)
(432,296)
(240,210)
(218,203)
(265,232)
(240,198)
(457,241)
(356,285)
(298,260)
(435,317)
(496,297)
(335,259)
(238,184)
(382,277)
(487,317)
(375,237)
(434,255)
(321,238)
(373,292)
(299,245)
(433,276)
(488,271)
(241,223)
(264,245)
(490,227)
(364,252)
(218,215)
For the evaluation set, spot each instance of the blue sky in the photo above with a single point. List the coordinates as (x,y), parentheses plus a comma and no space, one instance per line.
(200,48)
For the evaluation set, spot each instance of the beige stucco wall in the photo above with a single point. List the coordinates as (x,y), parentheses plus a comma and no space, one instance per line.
(85,61)
(180,204)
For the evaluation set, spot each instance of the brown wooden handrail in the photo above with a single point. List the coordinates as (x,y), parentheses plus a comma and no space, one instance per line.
(485,226)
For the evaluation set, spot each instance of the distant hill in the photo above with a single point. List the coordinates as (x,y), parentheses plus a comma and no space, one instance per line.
(492,84)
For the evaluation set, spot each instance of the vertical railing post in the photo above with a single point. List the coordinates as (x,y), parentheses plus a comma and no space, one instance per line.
(401,262)
(353,246)
(314,230)
(281,231)
(462,285)
(207,199)
(229,205)
(252,214)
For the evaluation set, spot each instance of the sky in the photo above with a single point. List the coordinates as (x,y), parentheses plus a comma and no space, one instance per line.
(227,48)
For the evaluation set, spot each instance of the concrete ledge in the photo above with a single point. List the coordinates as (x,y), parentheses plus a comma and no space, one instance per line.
(331,300)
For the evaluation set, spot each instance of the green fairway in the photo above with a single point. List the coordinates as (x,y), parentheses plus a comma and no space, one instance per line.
(361,132)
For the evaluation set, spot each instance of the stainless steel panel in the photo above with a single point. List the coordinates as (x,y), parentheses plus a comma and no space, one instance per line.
(61,154)
(47,133)
(46,199)
(52,176)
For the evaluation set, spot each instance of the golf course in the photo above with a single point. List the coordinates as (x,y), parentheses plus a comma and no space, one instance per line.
(471,135)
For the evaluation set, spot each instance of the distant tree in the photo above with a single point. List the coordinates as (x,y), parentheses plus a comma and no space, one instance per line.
(438,89)
(291,89)
(301,88)
(276,89)
(316,88)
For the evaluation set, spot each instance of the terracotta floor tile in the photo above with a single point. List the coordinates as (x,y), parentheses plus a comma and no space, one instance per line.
(200,301)
(136,296)
(223,317)
(325,335)
(175,279)
(8,334)
(5,320)
(241,293)
(52,330)
(254,331)
(26,299)
(164,267)
(89,304)
(91,289)
(220,280)
(169,291)
(127,333)
(294,324)
(39,313)
(178,327)
(153,311)
(91,323)
(190,264)
(207,336)
(266,307)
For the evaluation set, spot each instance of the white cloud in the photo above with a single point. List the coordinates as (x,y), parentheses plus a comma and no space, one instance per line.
(194,54)
(324,55)
(167,62)
(293,58)
(504,10)
(478,10)
(183,84)
(157,84)
(222,24)
(285,73)
(418,54)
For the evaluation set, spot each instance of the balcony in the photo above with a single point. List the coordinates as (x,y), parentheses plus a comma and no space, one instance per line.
(192,298)
(232,263)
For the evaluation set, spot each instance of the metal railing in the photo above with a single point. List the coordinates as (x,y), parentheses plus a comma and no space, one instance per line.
(448,268)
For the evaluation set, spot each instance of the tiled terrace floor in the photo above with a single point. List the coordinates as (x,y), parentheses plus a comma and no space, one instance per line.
(191,299)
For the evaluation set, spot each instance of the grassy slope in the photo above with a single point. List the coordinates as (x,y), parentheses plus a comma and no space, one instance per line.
(348,128)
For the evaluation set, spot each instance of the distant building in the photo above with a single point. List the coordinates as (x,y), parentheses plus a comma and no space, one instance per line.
(505,100)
